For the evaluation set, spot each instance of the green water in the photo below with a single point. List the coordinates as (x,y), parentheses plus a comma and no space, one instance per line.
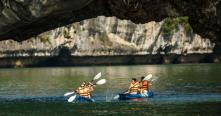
(191,89)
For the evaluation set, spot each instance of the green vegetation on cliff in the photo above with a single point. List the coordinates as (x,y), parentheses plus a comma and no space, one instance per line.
(170,25)
(44,37)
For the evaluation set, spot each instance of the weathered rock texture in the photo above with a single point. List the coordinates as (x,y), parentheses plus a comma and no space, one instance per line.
(111,36)
(20,19)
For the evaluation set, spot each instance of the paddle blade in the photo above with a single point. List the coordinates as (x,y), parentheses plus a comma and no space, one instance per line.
(72,98)
(154,79)
(101,82)
(148,77)
(68,93)
(97,76)
(116,97)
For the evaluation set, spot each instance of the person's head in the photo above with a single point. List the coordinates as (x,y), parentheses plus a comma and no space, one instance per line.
(142,78)
(89,85)
(134,80)
(83,84)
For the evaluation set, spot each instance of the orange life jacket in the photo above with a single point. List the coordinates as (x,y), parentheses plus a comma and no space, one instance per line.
(134,87)
(90,89)
(84,92)
(144,85)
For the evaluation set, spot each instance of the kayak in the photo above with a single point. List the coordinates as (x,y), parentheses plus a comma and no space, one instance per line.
(84,99)
(128,96)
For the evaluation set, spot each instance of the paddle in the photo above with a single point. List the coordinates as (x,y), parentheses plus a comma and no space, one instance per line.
(95,78)
(69,93)
(100,82)
(148,77)
(116,97)
(72,98)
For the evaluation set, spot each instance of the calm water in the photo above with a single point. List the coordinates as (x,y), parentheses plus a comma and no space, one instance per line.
(191,89)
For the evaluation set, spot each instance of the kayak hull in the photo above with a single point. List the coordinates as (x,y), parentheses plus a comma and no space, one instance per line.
(83,99)
(127,96)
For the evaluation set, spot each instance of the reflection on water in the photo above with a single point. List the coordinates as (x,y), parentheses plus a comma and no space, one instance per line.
(176,84)
(172,80)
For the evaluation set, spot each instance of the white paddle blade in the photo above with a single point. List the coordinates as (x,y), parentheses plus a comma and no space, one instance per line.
(116,97)
(97,76)
(148,77)
(72,98)
(101,82)
(68,93)
(154,79)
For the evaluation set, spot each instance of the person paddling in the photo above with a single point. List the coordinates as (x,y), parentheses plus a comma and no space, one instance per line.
(85,90)
(134,86)
(82,90)
(144,86)
(83,84)
(90,87)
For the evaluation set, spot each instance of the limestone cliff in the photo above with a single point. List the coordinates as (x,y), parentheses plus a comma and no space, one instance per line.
(112,36)
(21,19)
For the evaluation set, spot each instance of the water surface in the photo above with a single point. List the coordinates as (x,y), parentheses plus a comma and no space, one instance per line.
(195,88)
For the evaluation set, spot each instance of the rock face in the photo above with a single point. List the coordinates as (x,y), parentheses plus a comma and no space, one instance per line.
(111,36)
(21,19)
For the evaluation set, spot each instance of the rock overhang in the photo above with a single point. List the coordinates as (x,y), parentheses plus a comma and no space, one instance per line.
(21,19)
